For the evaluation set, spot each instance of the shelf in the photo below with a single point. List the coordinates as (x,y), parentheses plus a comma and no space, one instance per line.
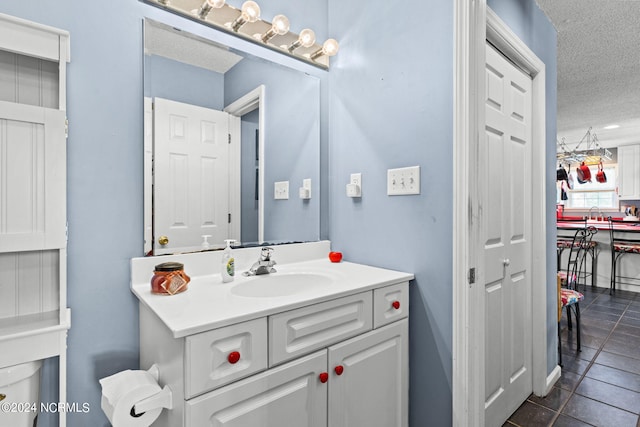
(33,337)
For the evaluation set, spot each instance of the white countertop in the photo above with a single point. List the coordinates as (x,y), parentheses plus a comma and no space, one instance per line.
(209,303)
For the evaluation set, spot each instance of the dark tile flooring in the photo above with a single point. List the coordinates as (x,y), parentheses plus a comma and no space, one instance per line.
(599,386)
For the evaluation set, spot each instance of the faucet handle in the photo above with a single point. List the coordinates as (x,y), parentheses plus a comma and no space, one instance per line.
(266,252)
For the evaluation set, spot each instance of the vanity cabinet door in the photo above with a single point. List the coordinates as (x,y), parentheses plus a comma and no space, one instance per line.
(289,395)
(220,356)
(369,383)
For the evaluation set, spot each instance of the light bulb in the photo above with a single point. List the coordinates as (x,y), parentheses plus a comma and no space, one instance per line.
(207,6)
(306,39)
(329,48)
(250,13)
(279,26)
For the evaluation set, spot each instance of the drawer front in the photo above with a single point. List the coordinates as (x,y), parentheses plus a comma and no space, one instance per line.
(220,356)
(304,330)
(390,303)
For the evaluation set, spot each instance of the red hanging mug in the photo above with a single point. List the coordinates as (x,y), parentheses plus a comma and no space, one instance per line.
(600,176)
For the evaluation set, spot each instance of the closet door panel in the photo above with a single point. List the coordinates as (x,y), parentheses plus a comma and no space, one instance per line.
(32,178)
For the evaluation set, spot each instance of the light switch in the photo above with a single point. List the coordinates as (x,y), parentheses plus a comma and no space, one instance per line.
(281,190)
(403,181)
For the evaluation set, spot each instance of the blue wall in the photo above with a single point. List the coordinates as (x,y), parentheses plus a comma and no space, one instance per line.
(177,81)
(291,138)
(387,102)
(390,105)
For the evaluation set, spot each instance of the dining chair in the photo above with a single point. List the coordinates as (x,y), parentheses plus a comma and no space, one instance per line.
(565,233)
(620,245)
(567,280)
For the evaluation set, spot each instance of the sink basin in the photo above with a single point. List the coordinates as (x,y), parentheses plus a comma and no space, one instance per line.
(280,284)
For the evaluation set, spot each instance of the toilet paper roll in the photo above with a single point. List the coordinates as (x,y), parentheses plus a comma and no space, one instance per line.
(123,390)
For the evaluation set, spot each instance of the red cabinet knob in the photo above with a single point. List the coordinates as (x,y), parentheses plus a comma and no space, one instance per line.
(324,377)
(339,369)
(233,357)
(395,304)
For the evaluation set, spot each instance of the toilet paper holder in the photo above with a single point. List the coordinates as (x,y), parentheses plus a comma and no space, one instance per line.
(162,399)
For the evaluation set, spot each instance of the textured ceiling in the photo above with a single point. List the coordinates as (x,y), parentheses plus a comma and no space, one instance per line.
(168,42)
(598,68)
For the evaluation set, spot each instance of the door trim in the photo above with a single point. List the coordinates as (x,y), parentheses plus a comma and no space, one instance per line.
(246,104)
(474,23)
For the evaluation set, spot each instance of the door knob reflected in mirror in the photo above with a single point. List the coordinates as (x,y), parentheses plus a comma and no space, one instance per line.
(163,240)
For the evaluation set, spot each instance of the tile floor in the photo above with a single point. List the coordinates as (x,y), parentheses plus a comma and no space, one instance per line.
(599,386)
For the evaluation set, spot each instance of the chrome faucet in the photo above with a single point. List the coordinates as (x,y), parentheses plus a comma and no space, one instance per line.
(264,265)
(599,215)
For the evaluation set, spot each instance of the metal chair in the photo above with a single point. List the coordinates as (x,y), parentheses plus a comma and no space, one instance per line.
(565,240)
(619,246)
(567,281)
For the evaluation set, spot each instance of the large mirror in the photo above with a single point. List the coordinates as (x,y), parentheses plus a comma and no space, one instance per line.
(230,141)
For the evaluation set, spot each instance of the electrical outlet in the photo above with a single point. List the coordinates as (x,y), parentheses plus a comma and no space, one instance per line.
(403,181)
(281,190)
(354,188)
(305,190)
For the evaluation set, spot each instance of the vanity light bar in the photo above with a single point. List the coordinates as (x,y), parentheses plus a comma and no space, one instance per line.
(246,22)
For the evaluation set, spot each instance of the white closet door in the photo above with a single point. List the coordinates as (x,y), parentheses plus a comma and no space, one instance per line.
(191,175)
(32,178)
(505,183)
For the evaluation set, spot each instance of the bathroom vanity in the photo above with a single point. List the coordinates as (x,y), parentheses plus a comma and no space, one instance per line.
(314,344)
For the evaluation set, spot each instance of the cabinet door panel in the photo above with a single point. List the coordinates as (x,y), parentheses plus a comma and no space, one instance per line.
(32,178)
(288,395)
(629,172)
(373,387)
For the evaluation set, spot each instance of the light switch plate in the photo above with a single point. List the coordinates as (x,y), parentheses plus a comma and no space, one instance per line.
(281,190)
(403,181)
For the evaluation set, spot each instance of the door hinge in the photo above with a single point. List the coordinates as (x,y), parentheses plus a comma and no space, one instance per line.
(66,128)
(229,135)
(472,276)
(66,232)
(229,218)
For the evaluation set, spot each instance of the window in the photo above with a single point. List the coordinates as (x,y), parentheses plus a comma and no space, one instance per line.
(594,193)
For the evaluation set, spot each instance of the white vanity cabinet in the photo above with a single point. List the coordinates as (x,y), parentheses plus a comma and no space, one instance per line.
(368,385)
(629,172)
(340,362)
(290,394)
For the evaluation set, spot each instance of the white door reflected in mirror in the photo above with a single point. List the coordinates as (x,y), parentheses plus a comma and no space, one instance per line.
(191,180)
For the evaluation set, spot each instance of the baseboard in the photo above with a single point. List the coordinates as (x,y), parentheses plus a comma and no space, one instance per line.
(552,378)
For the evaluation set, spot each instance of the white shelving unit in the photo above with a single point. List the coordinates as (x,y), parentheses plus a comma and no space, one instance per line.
(34,317)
